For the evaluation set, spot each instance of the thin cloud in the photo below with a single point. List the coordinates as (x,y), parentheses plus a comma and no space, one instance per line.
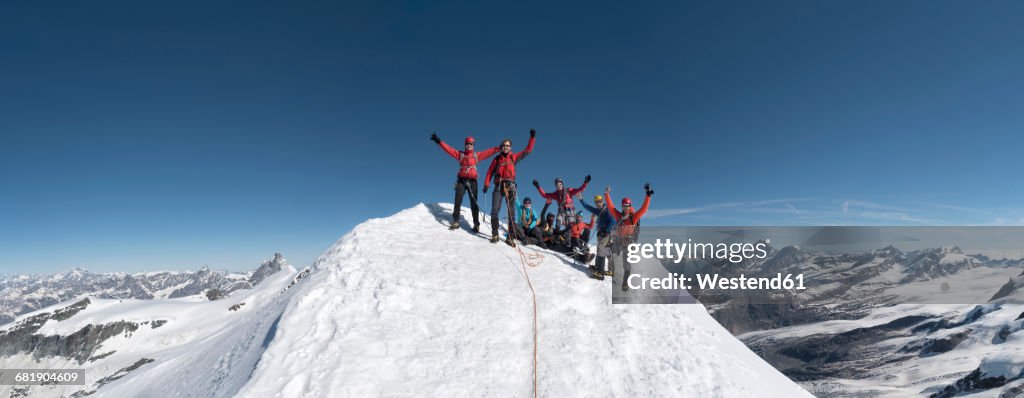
(961,208)
(690,210)
(656,213)
(852,204)
(817,211)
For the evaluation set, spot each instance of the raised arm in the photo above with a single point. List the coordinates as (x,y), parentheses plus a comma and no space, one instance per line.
(486,153)
(574,191)
(529,147)
(643,208)
(611,206)
(591,209)
(647,201)
(451,151)
(544,211)
(540,190)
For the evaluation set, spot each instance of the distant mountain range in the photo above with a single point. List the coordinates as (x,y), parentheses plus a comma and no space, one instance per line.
(933,322)
(23,293)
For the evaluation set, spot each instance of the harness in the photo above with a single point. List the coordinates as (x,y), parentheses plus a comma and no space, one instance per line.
(566,210)
(467,168)
(527,217)
(504,160)
(619,241)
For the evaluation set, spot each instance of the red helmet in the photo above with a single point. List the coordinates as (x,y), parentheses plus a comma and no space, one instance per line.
(626,201)
(470,140)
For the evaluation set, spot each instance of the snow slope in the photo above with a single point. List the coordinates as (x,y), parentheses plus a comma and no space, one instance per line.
(401,306)
(184,347)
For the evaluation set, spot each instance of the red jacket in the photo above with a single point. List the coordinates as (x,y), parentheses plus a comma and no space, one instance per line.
(505,165)
(564,197)
(468,159)
(626,223)
(578,227)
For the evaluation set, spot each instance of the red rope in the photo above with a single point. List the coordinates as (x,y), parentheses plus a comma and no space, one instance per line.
(534,259)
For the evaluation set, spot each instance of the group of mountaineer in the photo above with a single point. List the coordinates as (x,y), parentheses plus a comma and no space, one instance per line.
(562,230)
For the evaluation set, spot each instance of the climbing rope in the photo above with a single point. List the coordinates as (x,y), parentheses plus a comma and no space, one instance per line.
(532,260)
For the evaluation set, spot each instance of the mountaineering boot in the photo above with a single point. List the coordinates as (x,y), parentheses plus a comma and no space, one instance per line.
(476,228)
(608,273)
(454,226)
(510,242)
(495,239)
(596,275)
(625,287)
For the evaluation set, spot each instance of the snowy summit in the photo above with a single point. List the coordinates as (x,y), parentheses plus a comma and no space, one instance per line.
(449,314)
(380,314)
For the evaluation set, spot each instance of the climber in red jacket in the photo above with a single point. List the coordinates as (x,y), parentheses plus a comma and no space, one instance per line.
(503,171)
(465,181)
(579,235)
(626,223)
(563,196)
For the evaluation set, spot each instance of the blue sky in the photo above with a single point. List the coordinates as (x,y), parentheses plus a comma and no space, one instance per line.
(152,135)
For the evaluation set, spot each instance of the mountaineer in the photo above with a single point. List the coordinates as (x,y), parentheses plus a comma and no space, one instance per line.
(605,224)
(626,230)
(465,181)
(503,171)
(563,196)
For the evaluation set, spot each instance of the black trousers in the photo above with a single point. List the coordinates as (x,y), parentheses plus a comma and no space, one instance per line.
(602,250)
(532,236)
(497,197)
(619,252)
(581,242)
(462,186)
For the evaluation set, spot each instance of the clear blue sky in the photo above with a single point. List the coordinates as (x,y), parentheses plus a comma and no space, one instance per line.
(167,135)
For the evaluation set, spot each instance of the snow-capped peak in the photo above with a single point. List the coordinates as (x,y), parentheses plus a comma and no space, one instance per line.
(387,315)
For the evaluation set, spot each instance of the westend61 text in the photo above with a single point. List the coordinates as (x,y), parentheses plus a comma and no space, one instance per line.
(714,282)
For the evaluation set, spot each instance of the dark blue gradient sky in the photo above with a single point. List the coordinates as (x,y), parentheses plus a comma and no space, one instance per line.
(152,135)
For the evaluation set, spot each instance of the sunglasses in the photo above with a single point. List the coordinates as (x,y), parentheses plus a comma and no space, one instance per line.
(469,144)
(627,205)
(506,146)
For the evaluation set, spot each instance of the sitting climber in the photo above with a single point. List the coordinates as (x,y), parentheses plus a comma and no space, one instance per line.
(579,236)
(526,224)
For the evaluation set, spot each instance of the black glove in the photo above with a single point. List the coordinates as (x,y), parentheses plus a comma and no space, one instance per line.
(485,189)
(647,188)
(587,180)
(533,133)
(536,184)
(435,138)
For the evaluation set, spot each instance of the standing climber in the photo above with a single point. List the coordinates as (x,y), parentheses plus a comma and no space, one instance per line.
(465,181)
(605,224)
(563,196)
(503,171)
(626,227)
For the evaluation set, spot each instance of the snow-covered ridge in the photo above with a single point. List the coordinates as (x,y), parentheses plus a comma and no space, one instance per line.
(401,306)
(24,293)
(189,346)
